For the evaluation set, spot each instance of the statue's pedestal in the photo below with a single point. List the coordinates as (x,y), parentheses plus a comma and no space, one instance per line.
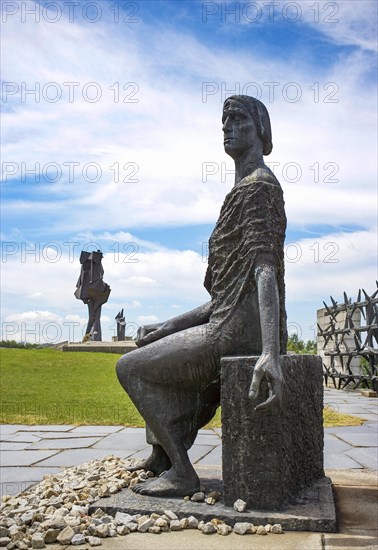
(268,457)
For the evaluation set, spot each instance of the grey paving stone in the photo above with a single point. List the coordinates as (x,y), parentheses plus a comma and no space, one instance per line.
(213,458)
(368,457)
(73,443)
(75,457)
(22,437)
(25,473)
(334,445)
(196,453)
(24,458)
(199,451)
(142,454)
(13,446)
(367,428)
(47,428)
(134,430)
(65,435)
(96,430)
(124,440)
(360,439)
(6,429)
(351,409)
(339,461)
(207,439)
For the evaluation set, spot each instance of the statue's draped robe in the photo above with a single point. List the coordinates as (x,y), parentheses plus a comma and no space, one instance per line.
(250,229)
(175,380)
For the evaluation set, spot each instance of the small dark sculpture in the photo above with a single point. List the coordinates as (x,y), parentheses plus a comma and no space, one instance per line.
(174,377)
(121,326)
(93,291)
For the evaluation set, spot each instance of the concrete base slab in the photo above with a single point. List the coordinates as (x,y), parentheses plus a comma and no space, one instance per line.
(192,539)
(313,510)
(103,347)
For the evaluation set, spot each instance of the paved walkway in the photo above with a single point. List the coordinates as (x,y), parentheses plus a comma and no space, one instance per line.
(350,454)
(30,452)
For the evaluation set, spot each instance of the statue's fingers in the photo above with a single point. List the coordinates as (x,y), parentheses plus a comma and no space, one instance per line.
(267,404)
(275,394)
(255,384)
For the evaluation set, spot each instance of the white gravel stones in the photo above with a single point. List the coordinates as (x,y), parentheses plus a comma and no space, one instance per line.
(101,531)
(122,530)
(66,535)
(192,522)
(145,524)
(51,535)
(170,515)
(38,541)
(261,530)
(176,525)
(78,539)
(56,510)
(155,530)
(94,541)
(224,529)
(120,518)
(198,497)
(162,524)
(242,528)
(240,505)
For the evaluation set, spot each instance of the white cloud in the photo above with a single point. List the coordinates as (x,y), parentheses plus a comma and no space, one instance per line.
(146,319)
(35,316)
(352,23)
(169,135)
(173,130)
(36,295)
(76,319)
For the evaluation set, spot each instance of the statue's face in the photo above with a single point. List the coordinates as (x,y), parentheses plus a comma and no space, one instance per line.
(239,128)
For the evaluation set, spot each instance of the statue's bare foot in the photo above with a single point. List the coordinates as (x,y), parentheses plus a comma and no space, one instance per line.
(170,484)
(158,462)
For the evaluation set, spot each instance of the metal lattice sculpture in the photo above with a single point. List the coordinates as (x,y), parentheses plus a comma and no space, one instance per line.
(350,341)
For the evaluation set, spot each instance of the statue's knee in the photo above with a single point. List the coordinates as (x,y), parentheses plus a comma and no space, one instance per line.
(125,369)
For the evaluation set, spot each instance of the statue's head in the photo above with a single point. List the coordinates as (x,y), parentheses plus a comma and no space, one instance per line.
(245,120)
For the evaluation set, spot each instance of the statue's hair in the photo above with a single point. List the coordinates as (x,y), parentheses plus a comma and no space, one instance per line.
(260,115)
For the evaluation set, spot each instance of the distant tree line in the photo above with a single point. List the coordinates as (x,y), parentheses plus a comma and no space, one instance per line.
(299,346)
(14,344)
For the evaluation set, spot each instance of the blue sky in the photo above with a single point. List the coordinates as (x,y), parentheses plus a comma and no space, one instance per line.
(120,146)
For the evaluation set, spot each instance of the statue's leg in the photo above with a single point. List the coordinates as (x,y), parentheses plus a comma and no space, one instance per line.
(158,462)
(166,380)
(97,324)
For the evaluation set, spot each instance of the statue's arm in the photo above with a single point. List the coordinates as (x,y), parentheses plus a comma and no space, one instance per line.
(193,318)
(268,363)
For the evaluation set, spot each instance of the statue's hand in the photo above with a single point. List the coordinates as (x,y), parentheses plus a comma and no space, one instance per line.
(267,365)
(151,333)
(143,331)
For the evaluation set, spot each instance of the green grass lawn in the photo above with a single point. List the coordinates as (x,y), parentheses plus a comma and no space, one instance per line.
(46,386)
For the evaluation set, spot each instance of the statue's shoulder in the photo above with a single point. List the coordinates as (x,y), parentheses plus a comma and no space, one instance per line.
(263,174)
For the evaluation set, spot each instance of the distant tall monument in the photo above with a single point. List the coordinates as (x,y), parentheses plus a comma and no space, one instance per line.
(121,326)
(94,292)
